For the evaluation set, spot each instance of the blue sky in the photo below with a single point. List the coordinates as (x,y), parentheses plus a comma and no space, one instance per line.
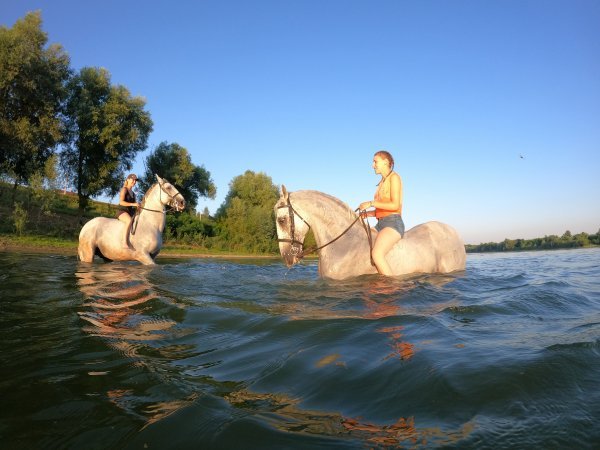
(307,91)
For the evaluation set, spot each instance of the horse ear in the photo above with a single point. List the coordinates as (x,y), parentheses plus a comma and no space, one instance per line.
(284,192)
(159,179)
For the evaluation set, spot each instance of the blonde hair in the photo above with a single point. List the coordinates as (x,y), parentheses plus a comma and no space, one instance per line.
(386,155)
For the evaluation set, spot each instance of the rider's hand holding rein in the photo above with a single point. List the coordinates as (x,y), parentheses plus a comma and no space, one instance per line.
(362,209)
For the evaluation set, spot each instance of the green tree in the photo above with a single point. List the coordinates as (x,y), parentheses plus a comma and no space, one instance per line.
(582,240)
(174,163)
(43,186)
(595,238)
(508,245)
(32,92)
(246,219)
(107,127)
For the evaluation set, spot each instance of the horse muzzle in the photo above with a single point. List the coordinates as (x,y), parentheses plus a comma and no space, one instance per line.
(178,204)
(291,253)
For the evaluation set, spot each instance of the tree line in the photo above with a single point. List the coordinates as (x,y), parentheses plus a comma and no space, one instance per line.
(567,240)
(57,123)
(59,126)
(86,129)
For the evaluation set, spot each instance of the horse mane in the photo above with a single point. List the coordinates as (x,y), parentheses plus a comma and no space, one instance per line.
(147,193)
(351,214)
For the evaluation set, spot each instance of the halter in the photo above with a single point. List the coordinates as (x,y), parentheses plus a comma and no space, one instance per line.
(298,246)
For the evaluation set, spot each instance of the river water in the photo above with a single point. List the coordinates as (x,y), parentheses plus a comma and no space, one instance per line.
(246,354)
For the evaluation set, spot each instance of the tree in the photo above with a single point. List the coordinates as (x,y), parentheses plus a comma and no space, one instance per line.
(173,162)
(246,219)
(582,239)
(32,92)
(107,127)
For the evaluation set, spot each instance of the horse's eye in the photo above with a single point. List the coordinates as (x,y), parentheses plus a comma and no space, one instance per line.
(281,220)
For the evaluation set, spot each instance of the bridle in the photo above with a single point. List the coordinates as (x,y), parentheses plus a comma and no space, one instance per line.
(142,207)
(169,202)
(297,247)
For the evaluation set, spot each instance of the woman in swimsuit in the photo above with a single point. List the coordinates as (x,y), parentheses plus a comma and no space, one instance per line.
(128,205)
(387,205)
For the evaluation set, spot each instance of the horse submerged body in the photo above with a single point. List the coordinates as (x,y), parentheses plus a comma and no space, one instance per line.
(431,247)
(102,236)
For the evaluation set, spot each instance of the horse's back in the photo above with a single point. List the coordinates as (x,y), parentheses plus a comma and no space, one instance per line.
(430,247)
(99,225)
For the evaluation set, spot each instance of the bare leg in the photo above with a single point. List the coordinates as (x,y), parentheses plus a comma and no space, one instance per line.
(386,239)
(126,219)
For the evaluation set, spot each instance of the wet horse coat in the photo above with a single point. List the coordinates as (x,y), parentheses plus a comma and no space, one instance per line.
(431,247)
(103,236)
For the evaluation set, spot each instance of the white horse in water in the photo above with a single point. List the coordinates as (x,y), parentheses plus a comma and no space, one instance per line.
(102,236)
(343,244)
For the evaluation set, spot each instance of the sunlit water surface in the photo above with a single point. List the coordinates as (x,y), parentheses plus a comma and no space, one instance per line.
(244,354)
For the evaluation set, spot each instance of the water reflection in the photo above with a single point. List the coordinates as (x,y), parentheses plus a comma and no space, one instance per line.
(173,365)
(367,297)
(283,413)
(122,306)
(372,299)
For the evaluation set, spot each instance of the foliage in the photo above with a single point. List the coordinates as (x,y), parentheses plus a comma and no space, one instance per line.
(173,162)
(189,229)
(19,216)
(567,240)
(245,220)
(43,186)
(107,127)
(32,91)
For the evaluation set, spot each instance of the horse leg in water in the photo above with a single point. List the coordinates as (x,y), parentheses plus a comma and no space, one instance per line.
(85,250)
(144,258)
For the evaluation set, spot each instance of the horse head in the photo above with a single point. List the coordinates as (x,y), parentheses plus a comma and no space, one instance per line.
(291,229)
(172,198)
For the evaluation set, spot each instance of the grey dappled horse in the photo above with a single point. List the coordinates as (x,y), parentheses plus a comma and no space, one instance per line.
(431,247)
(103,236)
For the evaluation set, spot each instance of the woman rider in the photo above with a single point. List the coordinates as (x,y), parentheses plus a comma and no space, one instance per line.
(388,210)
(128,205)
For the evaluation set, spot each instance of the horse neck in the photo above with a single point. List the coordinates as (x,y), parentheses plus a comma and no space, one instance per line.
(152,203)
(327,216)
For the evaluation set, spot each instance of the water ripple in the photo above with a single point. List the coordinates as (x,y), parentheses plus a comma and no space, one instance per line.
(246,353)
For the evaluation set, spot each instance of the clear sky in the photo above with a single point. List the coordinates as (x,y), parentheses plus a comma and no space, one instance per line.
(490,108)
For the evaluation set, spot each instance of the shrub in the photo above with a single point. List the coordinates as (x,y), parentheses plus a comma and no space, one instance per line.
(19,216)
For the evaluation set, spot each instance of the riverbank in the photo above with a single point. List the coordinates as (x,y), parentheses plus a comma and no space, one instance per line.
(48,245)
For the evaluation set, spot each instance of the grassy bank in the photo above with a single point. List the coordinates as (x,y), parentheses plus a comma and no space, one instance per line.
(53,245)
(51,222)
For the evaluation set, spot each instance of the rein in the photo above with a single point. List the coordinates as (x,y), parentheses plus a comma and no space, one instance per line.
(298,246)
